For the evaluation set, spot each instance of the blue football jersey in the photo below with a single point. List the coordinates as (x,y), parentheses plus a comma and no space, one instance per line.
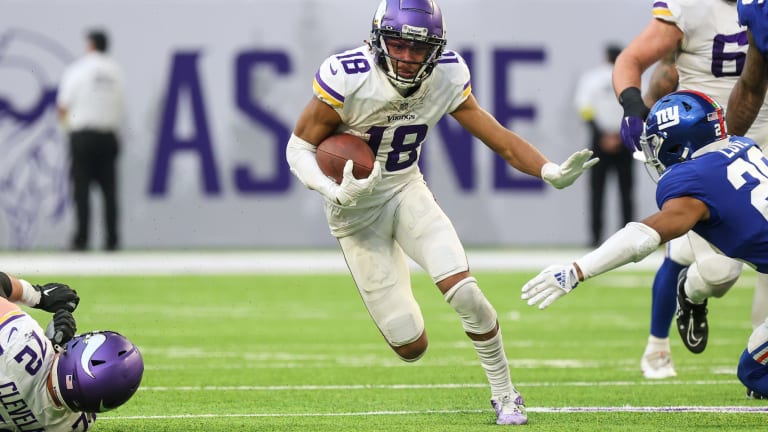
(754,15)
(733,183)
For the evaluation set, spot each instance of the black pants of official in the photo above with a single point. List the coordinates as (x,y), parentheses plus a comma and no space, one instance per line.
(622,164)
(93,158)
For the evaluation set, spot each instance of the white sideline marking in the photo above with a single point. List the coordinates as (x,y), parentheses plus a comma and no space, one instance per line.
(264,262)
(521,385)
(553,410)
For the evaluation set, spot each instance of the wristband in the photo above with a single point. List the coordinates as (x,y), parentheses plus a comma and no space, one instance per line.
(632,101)
(29,295)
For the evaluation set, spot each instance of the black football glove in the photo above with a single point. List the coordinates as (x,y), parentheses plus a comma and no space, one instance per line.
(55,296)
(61,329)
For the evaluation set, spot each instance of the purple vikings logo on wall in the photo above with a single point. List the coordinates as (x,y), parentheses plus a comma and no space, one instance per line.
(34,176)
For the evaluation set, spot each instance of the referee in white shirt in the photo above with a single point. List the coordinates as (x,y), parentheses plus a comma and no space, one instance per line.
(90,104)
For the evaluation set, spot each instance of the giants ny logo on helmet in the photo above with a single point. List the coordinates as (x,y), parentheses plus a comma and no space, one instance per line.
(668,117)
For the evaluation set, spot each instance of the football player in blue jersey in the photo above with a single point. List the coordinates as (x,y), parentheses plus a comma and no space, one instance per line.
(746,98)
(696,45)
(391,92)
(711,183)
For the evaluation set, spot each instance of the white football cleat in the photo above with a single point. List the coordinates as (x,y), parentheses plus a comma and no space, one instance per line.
(510,409)
(657,365)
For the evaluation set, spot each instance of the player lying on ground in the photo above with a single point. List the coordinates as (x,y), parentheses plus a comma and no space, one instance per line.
(58,386)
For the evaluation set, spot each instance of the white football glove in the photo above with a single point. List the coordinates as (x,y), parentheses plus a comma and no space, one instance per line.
(351,189)
(566,173)
(552,283)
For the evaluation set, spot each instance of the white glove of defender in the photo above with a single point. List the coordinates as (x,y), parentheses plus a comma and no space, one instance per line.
(552,283)
(565,174)
(351,189)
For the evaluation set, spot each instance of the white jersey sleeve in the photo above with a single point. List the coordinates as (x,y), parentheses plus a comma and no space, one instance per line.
(26,358)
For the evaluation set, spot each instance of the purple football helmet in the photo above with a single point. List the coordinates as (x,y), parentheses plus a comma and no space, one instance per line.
(97,371)
(678,125)
(418,22)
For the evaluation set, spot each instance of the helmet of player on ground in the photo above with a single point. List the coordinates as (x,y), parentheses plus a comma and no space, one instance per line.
(97,371)
(415,31)
(678,125)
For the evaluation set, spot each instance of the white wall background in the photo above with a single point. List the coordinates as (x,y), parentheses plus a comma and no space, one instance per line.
(38,38)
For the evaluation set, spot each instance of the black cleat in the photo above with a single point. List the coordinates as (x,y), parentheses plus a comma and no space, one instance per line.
(691,318)
(751,394)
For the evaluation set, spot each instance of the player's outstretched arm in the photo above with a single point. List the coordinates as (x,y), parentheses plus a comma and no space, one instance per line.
(518,152)
(632,243)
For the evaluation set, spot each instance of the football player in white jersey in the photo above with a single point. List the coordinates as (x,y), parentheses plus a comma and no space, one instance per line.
(700,46)
(391,92)
(57,387)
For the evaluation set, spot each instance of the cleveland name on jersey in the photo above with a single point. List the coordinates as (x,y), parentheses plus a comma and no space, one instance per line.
(26,356)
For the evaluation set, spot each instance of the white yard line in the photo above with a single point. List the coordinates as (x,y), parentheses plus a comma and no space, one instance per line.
(555,410)
(435,386)
(261,262)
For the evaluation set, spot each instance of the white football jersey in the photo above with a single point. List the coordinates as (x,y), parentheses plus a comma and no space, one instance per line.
(26,356)
(394,126)
(714,46)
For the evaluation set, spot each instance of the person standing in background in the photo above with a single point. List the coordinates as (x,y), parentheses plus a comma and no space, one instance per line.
(596,103)
(90,104)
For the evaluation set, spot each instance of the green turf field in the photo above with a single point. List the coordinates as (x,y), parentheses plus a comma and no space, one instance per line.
(299,353)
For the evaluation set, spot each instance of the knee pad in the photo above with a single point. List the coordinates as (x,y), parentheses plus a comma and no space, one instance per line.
(402,329)
(718,274)
(679,250)
(477,314)
(757,346)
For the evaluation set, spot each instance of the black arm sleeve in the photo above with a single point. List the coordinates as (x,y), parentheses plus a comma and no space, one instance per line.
(5,284)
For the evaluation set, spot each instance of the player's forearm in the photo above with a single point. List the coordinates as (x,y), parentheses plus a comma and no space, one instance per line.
(18,290)
(743,107)
(521,154)
(664,80)
(630,244)
(626,74)
(301,159)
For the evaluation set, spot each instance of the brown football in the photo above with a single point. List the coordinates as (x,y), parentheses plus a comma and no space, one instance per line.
(336,150)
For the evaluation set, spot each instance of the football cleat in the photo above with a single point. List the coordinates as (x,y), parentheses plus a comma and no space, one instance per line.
(691,318)
(657,365)
(751,394)
(510,409)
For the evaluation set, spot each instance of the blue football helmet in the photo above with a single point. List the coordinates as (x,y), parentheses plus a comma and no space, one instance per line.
(421,24)
(678,125)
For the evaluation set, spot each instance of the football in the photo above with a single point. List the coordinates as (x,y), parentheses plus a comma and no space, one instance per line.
(336,150)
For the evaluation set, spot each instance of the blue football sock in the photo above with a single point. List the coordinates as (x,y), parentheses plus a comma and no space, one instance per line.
(664,299)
